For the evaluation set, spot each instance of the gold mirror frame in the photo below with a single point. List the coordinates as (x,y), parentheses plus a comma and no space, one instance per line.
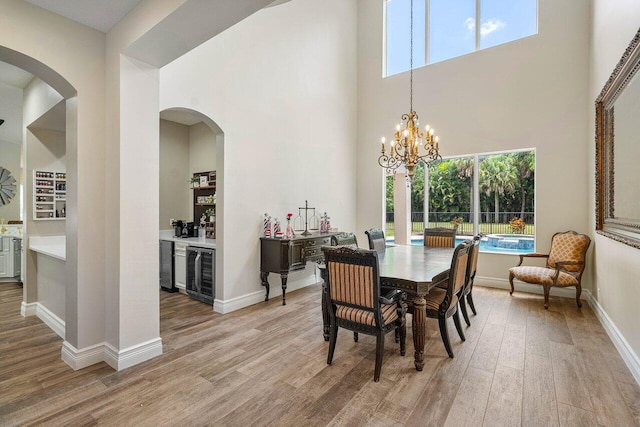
(622,230)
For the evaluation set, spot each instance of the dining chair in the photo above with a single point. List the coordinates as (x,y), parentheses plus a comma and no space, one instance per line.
(472,266)
(564,267)
(355,303)
(376,240)
(440,237)
(345,239)
(443,303)
(350,240)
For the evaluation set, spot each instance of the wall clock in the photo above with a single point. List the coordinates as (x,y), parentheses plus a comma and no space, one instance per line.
(7,186)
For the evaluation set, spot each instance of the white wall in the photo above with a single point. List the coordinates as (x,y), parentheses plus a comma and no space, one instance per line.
(175,195)
(528,93)
(202,149)
(10,160)
(73,56)
(616,266)
(282,86)
(10,143)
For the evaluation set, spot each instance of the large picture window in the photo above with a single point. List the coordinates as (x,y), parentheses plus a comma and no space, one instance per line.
(445,29)
(491,193)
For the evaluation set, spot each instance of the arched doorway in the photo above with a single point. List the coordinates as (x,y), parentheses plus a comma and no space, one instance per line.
(205,153)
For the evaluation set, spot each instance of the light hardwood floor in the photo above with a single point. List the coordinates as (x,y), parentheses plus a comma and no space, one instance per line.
(266,365)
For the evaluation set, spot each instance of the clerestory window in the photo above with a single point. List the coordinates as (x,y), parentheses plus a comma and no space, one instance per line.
(445,29)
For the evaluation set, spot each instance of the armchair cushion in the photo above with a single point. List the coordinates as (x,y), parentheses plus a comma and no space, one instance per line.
(389,314)
(543,276)
(568,247)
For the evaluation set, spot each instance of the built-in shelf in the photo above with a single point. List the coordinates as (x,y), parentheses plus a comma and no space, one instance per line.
(49,195)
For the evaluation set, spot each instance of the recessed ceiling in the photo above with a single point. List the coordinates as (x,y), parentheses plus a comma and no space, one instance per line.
(14,76)
(98,14)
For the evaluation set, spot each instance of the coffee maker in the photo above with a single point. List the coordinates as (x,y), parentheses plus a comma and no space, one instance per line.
(177,227)
(189,229)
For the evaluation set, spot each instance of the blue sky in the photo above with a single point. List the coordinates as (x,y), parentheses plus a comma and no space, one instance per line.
(452,29)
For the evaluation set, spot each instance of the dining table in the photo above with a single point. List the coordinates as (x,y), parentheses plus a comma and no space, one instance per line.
(415,270)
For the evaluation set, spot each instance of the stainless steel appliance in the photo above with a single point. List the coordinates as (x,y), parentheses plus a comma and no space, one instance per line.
(201,273)
(167,267)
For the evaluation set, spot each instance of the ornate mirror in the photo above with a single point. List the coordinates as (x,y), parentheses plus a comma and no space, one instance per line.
(7,186)
(618,151)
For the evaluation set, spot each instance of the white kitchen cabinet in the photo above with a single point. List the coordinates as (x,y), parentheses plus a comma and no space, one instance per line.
(6,258)
(180,260)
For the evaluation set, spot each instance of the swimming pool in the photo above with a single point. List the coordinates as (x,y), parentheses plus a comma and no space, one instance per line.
(489,244)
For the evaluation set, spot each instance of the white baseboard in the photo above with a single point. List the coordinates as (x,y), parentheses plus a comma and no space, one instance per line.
(28,309)
(127,357)
(233,304)
(50,319)
(79,359)
(117,359)
(622,345)
(493,282)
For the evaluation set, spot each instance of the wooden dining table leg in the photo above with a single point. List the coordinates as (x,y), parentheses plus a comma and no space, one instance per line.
(419,324)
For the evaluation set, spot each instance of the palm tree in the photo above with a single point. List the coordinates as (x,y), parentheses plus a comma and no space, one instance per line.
(497,176)
(524,162)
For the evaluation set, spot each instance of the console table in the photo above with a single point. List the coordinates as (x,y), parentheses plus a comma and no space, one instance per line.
(284,255)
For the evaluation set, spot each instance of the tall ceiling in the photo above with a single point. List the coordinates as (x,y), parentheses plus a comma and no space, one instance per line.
(98,14)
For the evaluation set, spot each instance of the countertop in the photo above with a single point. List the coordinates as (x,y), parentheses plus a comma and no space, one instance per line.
(53,246)
(191,241)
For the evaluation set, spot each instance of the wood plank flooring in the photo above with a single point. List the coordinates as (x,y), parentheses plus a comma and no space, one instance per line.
(266,365)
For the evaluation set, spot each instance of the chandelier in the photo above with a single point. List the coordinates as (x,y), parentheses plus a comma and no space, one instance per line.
(410,146)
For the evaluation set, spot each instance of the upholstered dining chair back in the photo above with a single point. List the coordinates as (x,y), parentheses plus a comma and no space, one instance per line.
(440,237)
(458,271)
(345,239)
(376,240)
(473,260)
(472,266)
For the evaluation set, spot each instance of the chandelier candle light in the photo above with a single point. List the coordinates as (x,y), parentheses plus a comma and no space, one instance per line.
(405,147)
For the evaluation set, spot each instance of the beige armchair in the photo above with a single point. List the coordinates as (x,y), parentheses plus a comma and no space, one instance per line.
(565,264)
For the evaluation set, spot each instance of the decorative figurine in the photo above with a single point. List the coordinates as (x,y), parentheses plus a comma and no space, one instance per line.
(277,232)
(266,225)
(325,225)
(289,234)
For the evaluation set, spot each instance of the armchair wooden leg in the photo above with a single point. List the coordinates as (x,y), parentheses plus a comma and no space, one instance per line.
(547,288)
(578,292)
(511,276)
(470,301)
(403,338)
(463,308)
(456,320)
(442,322)
(379,353)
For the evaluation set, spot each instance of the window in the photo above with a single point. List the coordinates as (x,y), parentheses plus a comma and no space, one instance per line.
(492,194)
(445,29)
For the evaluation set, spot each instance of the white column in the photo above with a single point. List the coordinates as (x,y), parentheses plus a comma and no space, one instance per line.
(402,208)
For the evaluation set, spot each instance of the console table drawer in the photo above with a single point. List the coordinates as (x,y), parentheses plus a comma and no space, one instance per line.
(322,241)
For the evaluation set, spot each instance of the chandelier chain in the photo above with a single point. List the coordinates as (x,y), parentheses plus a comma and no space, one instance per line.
(411,63)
